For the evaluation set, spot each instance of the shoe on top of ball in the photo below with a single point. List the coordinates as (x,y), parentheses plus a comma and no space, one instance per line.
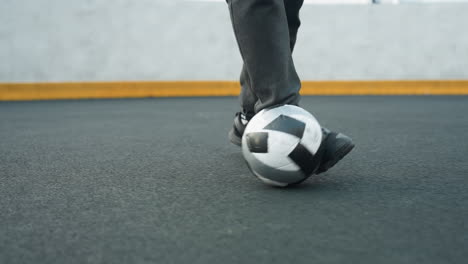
(335,145)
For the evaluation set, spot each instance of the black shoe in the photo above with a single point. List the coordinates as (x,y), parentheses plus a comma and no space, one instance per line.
(335,147)
(240,122)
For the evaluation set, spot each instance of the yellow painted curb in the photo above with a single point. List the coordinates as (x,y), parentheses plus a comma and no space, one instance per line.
(140,89)
(400,87)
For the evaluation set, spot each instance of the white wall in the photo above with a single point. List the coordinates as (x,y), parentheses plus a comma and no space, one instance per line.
(56,40)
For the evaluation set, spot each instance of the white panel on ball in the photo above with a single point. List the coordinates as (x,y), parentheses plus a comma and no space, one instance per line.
(313,131)
(279,145)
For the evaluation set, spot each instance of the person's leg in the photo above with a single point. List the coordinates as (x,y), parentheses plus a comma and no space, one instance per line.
(247,97)
(268,76)
(292,13)
(262,33)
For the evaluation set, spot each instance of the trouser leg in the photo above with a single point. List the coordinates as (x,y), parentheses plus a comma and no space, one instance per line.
(263,35)
(247,97)
(292,14)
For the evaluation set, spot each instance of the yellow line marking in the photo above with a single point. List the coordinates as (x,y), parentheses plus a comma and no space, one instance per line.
(141,89)
(400,87)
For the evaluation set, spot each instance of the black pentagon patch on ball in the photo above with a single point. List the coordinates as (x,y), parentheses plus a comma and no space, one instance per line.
(304,159)
(287,125)
(257,142)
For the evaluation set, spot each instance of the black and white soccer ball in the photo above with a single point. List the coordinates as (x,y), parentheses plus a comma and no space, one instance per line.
(281,145)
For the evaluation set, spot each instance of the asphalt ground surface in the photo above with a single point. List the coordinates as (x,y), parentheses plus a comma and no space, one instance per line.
(156,181)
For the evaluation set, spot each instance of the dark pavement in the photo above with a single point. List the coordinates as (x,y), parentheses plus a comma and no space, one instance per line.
(156,181)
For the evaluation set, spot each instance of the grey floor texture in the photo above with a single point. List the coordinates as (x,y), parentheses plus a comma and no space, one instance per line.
(155,181)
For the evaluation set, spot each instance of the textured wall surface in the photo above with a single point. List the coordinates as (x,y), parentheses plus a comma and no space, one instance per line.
(54,40)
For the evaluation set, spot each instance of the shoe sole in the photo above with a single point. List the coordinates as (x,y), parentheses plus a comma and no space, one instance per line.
(339,155)
(235,139)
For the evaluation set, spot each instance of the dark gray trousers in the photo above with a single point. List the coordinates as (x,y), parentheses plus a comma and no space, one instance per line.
(266,32)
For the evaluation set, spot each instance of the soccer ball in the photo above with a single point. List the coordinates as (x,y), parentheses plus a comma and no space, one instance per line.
(281,145)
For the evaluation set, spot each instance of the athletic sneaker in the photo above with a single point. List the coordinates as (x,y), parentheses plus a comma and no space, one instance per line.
(335,145)
(240,122)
